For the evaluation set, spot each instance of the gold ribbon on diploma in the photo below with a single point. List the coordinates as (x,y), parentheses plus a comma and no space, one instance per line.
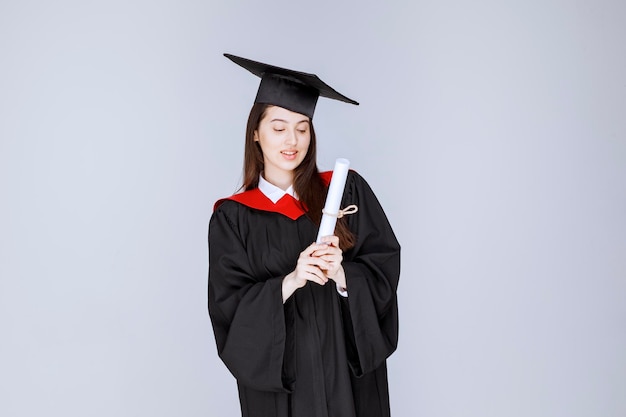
(351,209)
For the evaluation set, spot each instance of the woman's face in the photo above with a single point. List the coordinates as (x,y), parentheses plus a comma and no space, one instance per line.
(284,137)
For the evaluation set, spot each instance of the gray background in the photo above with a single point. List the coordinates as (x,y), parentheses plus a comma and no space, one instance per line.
(494,134)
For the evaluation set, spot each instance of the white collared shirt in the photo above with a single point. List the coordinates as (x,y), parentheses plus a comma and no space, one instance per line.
(275,193)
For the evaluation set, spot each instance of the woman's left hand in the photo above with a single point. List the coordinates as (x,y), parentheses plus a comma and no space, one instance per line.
(333,255)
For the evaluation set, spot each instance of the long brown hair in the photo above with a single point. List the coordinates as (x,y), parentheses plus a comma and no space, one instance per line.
(307,183)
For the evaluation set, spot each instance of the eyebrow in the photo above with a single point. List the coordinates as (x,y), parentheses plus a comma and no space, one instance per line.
(285,121)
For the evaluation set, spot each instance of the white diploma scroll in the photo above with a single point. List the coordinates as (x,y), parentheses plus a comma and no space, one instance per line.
(333,199)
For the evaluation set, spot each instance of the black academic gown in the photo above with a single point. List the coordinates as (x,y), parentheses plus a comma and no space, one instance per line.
(319,354)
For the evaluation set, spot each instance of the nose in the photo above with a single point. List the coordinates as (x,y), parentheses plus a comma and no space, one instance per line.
(291,138)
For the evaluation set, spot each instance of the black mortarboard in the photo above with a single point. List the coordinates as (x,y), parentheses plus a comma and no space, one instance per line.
(294,90)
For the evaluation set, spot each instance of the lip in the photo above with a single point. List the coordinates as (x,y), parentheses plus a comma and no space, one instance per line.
(289,154)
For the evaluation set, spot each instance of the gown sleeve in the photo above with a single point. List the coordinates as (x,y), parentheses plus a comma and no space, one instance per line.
(372,268)
(247,314)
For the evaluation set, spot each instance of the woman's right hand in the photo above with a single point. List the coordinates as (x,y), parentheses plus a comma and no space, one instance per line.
(308,268)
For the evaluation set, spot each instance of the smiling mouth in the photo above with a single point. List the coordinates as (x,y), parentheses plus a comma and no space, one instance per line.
(289,153)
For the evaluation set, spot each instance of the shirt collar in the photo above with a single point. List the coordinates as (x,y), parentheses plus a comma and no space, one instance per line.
(273,192)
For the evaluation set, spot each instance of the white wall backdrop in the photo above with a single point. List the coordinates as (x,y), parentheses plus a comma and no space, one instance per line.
(494,133)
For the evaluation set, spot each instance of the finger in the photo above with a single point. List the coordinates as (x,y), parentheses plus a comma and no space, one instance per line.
(330,256)
(331,240)
(312,248)
(313,261)
(315,275)
(330,251)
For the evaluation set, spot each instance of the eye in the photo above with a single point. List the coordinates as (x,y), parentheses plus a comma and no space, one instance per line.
(277,129)
(302,127)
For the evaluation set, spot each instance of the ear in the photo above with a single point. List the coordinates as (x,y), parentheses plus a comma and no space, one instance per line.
(256,136)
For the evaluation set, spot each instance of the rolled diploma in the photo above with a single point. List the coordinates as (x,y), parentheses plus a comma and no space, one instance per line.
(333,198)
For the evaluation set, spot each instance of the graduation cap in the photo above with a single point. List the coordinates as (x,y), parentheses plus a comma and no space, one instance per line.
(294,90)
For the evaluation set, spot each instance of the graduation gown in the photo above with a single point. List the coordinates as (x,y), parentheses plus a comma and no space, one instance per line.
(319,354)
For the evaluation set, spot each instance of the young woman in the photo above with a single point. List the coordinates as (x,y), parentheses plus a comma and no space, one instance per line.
(305,328)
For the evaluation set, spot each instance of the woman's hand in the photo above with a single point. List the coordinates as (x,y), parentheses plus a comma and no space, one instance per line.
(318,263)
(308,268)
(333,256)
